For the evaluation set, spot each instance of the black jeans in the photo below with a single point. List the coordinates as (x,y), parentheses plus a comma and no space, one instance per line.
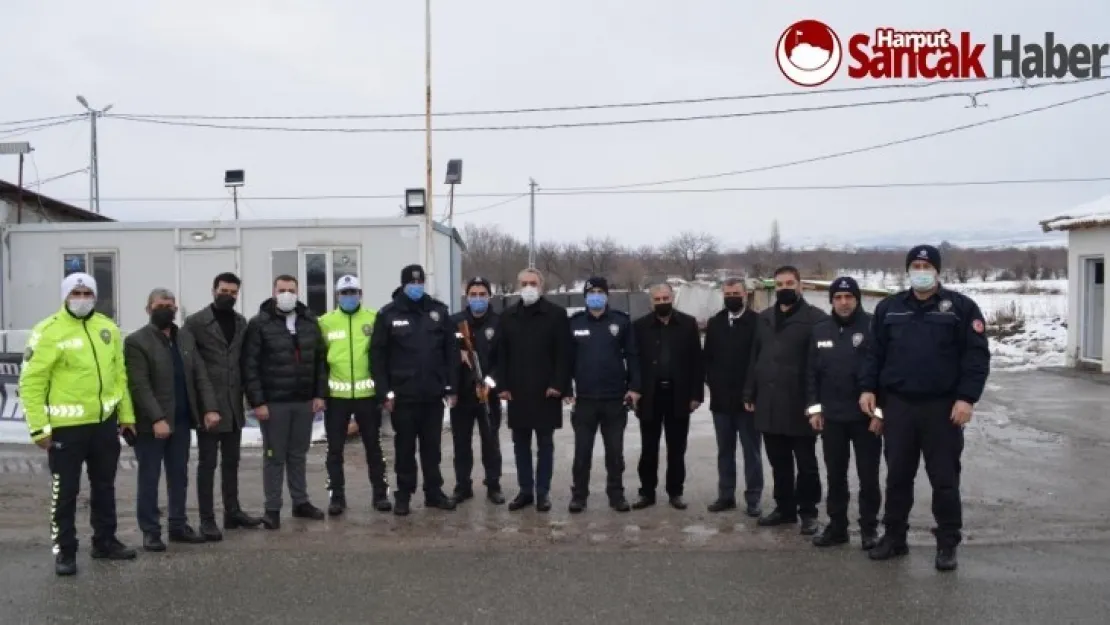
(663,420)
(838,440)
(913,429)
(539,483)
(611,417)
(221,447)
(463,418)
(784,452)
(96,446)
(412,422)
(152,454)
(368,416)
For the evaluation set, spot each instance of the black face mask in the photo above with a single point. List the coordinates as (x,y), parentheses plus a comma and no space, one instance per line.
(664,310)
(224,302)
(734,304)
(162,318)
(786,297)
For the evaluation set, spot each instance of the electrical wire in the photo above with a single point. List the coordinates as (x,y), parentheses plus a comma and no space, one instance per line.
(973,96)
(60,176)
(491,206)
(18,132)
(38,120)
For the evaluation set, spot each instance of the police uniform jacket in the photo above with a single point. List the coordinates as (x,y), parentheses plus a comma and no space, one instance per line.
(836,355)
(776,381)
(533,355)
(606,362)
(929,349)
(485,332)
(728,352)
(684,343)
(413,351)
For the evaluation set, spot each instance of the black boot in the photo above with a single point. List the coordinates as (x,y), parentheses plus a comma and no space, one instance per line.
(776,518)
(439,501)
(113,550)
(521,501)
(809,526)
(65,564)
(308,511)
(946,559)
(401,506)
(337,505)
(869,538)
(833,534)
(677,502)
(495,496)
(620,504)
(153,542)
(644,501)
(239,519)
(462,493)
(210,531)
(577,505)
(722,504)
(186,534)
(271,520)
(381,502)
(543,503)
(889,547)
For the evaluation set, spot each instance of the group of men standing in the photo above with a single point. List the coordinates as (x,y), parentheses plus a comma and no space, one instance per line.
(777,379)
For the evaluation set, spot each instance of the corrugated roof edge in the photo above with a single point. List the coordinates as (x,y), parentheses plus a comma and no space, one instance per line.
(1064,223)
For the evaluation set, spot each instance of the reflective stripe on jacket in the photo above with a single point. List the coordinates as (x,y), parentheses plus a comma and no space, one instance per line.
(347,337)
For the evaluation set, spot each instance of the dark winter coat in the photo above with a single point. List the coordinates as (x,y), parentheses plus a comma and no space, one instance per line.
(689,369)
(606,361)
(533,355)
(223,362)
(486,332)
(413,350)
(151,380)
(776,383)
(282,367)
(836,355)
(728,352)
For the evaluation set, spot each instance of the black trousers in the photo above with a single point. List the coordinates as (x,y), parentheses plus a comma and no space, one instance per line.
(923,428)
(224,448)
(663,421)
(838,440)
(423,422)
(96,446)
(611,417)
(368,415)
(463,418)
(784,452)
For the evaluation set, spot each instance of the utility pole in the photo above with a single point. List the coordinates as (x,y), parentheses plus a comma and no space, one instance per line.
(429,210)
(94,162)
(532,225)
(235,201)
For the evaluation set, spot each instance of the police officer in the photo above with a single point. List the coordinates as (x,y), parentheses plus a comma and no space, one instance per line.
(412,360)
(483,327)
(927,368)
(606,374)
(346,332)
(836,355)
(73,385)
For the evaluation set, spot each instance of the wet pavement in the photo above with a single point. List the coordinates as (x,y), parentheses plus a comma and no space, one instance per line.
(1037,548)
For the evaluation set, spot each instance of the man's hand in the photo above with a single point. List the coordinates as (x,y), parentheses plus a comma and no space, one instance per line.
(568,400)
(876,426)
(127,428)
(388,405)
(211,420)
(352,428)
(452,400)
(694,405)
(44,443)
(632,398)
(817,422)
(552,393)
(750,407)
(318,405)
(961,413)
(506,395)
(262,413)
(867,403)
(161,429)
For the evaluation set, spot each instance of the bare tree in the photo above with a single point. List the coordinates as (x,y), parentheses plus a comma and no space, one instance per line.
(630,271)
(692,253)
(549,260)
(774,244)
(599,256)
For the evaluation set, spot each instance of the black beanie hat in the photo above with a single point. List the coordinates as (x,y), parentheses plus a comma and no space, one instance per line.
(927,253)
(412,273)
(596,282)
(479,281)
(844,284)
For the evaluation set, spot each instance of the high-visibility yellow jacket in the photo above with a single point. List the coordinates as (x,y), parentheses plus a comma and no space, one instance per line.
(73,373)
(347,336)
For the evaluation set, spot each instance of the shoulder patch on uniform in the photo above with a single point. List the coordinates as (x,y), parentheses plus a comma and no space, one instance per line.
(434,315)
(977,325)
(106,336)
(367,329)
(857,338)
(614,329)
(489,333)
(945,305)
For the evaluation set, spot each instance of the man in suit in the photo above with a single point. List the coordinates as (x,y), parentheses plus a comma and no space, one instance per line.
(218,330)
(673,385)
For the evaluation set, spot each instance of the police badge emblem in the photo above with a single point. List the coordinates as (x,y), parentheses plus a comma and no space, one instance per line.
(489,334)
(434,315)
(857,338)
(945,305)
(367,330)
(106,336)
(614,329)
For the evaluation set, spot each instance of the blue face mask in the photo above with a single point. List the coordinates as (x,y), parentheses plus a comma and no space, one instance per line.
(922,279)
(478,305)
(596,301)
(348,303)
(414,291)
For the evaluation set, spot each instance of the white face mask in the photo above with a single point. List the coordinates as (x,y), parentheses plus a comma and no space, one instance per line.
(529,295)
(286,301)
(923,279)
(80,307)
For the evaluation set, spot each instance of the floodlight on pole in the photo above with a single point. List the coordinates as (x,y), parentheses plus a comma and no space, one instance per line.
(233,179)
(21,148)
(94,168)
(416,202)
(454,177)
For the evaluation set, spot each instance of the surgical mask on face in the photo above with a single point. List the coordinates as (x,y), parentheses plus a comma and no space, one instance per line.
(348,303)
(786,297)
(922,279)
(596,301)
(162,318)
(80,307)
(286,301)
(478,305)
(529,295)
(414,291)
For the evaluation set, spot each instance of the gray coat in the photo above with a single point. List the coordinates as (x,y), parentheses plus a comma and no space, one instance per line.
(150,377)
(776,380)
(221,360)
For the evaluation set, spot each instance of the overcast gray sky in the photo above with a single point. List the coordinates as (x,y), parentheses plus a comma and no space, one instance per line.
(279,57)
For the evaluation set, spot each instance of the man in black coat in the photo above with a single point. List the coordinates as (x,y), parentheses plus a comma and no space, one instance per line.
(836,355)
(483,324)
(728,349)
(285,375)
(533,373)
(776,390)
(413,361)
(673,385)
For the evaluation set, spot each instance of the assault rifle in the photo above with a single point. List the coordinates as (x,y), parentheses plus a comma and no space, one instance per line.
(475,363)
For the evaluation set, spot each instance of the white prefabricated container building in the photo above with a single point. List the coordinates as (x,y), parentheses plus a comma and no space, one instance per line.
(128,259)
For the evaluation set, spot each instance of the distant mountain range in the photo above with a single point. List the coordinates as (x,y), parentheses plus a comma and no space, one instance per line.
(978,238)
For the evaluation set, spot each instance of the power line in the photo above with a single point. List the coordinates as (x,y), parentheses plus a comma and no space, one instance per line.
(37,120)
(83,170)
(972,96)
(491,206)
(9,133)
(843,153)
